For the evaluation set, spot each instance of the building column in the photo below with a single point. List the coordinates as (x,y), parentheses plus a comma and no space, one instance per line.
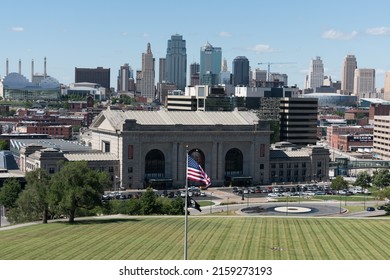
(181,163)
(174,161)
(221,163)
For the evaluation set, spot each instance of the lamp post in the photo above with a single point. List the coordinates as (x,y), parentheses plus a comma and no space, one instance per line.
(227,207)
(211,203)
(287,206)
(364,201)
(340,200)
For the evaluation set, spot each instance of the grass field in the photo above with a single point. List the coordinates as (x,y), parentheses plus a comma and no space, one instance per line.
(234,238)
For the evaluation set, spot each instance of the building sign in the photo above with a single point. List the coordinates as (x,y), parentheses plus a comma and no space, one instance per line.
(360,138)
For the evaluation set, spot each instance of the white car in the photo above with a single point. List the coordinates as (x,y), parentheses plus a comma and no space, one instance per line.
(273,195)
(202,194)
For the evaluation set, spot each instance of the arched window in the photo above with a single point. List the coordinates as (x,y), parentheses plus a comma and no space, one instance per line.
(198,156)
(154,164)
(234,162)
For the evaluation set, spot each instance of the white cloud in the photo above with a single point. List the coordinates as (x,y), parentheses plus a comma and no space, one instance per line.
(224,34)
(378,30)
(17,29)
(261,48)
(333,34)
(145,35)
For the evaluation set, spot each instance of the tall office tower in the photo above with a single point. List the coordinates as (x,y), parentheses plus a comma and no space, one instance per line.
(99,75)
(364,83)
(386,91)
(161,70)
(210,64)
(138,79)
(298,120)
(123,78)
(194,73)
(176,62)
(225,77)
(348,72)
(240,71)
(315,76)
(147,80)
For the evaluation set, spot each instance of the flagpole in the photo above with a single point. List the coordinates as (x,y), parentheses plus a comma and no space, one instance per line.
(186,209)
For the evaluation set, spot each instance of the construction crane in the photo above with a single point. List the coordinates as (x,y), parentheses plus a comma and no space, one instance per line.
(269,67)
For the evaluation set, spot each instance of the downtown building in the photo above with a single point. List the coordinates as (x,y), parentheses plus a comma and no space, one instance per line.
(240,71)
(210,64)
(176,62)
(364,83)
(348,72)
(97,75)
(147,76)
(298,120)
(315,76)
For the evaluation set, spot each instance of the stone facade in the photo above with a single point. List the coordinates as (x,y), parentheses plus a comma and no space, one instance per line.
(132,136)
(229,145)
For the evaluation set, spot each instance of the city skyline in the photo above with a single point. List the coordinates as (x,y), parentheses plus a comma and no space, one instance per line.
(108,35)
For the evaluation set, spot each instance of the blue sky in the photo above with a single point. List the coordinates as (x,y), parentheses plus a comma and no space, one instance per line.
(110,33)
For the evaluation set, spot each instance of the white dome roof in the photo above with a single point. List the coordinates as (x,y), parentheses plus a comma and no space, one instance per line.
(49,82)
(15,80)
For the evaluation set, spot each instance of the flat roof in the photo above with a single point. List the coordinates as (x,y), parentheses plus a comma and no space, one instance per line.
(65,146)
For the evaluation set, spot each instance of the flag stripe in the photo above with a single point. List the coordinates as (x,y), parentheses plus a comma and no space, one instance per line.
(196,173)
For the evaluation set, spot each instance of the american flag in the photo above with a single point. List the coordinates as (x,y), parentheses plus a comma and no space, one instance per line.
(195,172)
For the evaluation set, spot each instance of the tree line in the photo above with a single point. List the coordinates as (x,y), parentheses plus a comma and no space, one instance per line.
(76,190)
(379,180)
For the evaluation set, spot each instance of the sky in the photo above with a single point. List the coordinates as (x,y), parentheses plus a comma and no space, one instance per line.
(287,34)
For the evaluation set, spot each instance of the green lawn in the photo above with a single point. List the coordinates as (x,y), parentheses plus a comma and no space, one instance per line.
(161,238)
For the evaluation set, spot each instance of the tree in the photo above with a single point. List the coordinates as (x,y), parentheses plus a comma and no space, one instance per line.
(177,206)
(385,194)
(381,178)
(9,192)
(77,186)
(3,145)
(339,183)
(363,180)
(149,203)
(37,188)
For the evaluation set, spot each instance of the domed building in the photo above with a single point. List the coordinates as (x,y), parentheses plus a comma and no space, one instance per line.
(18,87)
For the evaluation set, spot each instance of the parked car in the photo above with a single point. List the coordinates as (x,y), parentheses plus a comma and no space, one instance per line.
(381,207)
(370,209)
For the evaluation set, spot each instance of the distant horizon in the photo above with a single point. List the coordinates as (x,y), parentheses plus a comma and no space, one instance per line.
(80,35)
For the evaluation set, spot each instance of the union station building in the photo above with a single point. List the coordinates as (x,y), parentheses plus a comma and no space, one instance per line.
(232,147)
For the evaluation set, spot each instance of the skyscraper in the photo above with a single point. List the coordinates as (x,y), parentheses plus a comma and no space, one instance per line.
(386,95)
(124,75)
(315,76)
(161,70)
(348,73)
(176,62)
(194,73)
(240,71)
(147,78)
(364,83)
(210,64)
(225,77)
